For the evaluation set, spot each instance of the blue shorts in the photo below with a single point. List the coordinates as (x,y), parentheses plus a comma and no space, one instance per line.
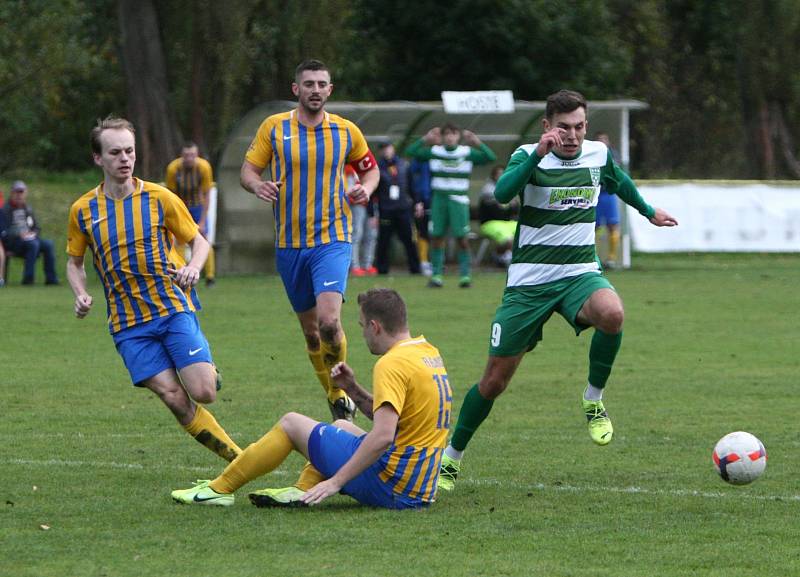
(306,272)
(197,214)
(607,209)
(170,342)
(330,447)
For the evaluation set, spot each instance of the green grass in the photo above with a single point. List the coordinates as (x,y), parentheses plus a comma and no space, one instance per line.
(711,346)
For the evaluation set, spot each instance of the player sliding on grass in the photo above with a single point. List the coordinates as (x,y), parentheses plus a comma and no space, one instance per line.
(395,465)
(129,225)
(554,266)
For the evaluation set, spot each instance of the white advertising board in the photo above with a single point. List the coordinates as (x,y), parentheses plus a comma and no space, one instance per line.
(720,217)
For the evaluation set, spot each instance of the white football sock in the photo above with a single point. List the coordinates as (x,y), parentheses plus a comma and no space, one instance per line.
(453,454)
(592,393)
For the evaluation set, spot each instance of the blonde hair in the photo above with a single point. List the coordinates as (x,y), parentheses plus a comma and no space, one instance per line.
(109,122)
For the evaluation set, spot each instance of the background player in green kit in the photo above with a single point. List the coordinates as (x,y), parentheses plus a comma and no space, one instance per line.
(554,266)
(451,167)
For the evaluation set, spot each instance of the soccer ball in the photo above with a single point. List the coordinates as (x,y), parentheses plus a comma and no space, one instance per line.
(739,458)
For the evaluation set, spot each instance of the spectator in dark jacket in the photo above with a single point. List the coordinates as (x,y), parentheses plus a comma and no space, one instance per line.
(20,235)
(395,203)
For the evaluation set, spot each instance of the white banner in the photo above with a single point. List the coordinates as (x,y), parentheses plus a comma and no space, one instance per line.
(720,217)
(479,101)
(211,216)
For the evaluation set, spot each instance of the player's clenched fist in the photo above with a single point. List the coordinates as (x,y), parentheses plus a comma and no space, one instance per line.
(83,304)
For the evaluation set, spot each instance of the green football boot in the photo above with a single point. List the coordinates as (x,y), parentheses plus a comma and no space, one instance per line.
(448,473)
(600,429)
(436,281)
(465,281)
(202,494)
(286,497)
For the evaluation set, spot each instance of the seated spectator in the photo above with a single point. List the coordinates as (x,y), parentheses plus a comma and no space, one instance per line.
(498,222)
(20,235)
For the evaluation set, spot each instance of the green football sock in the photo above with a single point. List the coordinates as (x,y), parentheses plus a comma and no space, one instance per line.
(464,262)
(473,412)
(437,260)
(602,353)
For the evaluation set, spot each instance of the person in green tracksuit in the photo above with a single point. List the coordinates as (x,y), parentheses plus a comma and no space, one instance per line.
(451,167)
(554,266)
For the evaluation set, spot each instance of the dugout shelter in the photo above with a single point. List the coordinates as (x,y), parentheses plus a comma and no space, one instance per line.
(245,233)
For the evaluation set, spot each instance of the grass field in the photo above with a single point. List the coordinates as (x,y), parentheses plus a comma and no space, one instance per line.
(711,346)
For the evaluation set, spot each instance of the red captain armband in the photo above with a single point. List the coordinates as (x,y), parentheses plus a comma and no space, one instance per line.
(365,163)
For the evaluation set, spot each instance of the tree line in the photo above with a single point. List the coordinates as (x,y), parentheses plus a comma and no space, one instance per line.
(720,76)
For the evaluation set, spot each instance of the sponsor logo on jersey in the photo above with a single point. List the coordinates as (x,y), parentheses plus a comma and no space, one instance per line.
(580,196)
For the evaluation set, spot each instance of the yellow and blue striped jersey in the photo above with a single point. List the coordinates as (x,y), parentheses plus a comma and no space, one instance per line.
(132,242)
(191,184)
(411,377)
(311,208)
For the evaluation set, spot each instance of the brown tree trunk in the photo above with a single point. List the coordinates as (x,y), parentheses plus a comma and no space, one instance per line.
(158,134)
(767,151)
(785,140)
(197,82)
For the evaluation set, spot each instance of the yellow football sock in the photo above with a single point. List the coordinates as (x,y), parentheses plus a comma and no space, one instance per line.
(309,477)
(332,354)
(260,458)
(422,249)
(320,369)
(208,432)
(210,267)
(613,244)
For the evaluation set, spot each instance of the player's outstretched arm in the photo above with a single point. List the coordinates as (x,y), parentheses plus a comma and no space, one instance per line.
(76,276)
(663,218)
(375,444)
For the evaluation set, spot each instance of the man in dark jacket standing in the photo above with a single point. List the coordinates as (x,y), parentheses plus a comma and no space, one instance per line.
(20,234)
(395,199)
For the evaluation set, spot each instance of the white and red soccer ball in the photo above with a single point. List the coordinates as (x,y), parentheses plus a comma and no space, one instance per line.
(739,458)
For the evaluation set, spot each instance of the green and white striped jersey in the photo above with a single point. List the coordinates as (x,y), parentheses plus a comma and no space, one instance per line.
(555,236)
(451,168)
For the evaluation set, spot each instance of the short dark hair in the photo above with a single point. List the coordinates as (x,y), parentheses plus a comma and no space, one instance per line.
(188,144)
(564,101)
(450,127)
(310,64)
(109,122)
(385,306)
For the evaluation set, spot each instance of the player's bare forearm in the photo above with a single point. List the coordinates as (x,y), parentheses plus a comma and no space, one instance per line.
(76,276)
(250,177)
(344,378)
(362,399)
(200,249)
(370,180)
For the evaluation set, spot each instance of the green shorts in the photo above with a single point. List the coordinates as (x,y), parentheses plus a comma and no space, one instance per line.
(499,231)
(449,211)
(518,321)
